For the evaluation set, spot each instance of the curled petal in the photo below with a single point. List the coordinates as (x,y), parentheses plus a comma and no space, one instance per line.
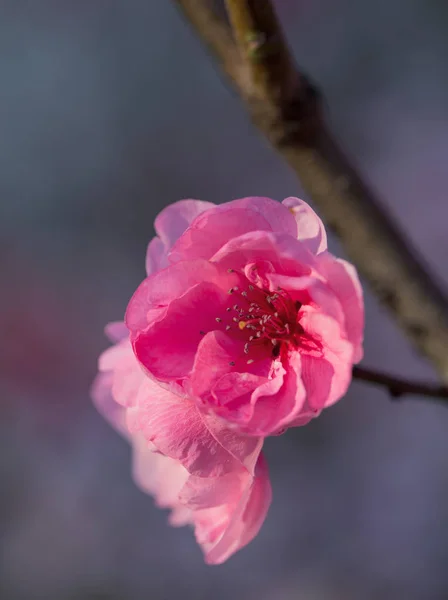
(278,403)
(221,377)
(310,228)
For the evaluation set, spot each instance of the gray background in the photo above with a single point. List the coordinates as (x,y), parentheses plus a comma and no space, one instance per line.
(109,111)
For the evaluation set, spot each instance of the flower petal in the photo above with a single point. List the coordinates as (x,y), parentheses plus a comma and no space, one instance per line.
(104,402)
(116,331)
(211,230)
(173,220)
(170,224)
(156,474)
(156,292)
(167,349)
(222,378)
(343,279)
(127,373)
(214,228)
(156,256)
(278,218)
(278,403)
(327,369)
(202,443)
(223,530)
(310,228)
(286,254)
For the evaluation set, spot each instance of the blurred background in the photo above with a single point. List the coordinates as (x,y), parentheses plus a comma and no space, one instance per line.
(109,111)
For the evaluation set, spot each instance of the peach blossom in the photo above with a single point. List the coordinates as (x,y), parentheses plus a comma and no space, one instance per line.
(246,313)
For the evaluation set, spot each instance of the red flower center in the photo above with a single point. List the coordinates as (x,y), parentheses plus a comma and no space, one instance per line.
(267,317)
(262,320)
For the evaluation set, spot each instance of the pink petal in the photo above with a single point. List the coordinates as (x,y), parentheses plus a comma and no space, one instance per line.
(222,378)
(279,219)
(211,230)
(201,443)
(156,256)
(168,348)
(104,402)
(310,228)
(173,220)
(127,373)
(156,292)
(326,372)
(170,225)
(277,404)
(342,278)
(156,474)
(287,255)
(116,331)
(207,492)
(259,402)
(224,530)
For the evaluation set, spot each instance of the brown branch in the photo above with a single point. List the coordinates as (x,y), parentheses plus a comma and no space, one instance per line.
(215,33)
(401,387)
(286,108)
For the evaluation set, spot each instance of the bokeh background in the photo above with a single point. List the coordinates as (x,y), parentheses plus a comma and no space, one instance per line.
(109,111)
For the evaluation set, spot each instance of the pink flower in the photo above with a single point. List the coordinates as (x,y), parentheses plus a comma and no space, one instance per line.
(244,316)
(210,478)
(246,325)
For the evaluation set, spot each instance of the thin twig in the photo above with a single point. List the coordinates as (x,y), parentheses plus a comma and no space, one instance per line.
(398,387)
(286,108)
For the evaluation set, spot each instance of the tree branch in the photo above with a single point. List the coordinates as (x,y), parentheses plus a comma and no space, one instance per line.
(286,107)
(401,387)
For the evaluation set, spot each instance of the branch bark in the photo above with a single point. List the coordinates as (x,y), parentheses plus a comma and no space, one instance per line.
(398,387)
(286,108)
